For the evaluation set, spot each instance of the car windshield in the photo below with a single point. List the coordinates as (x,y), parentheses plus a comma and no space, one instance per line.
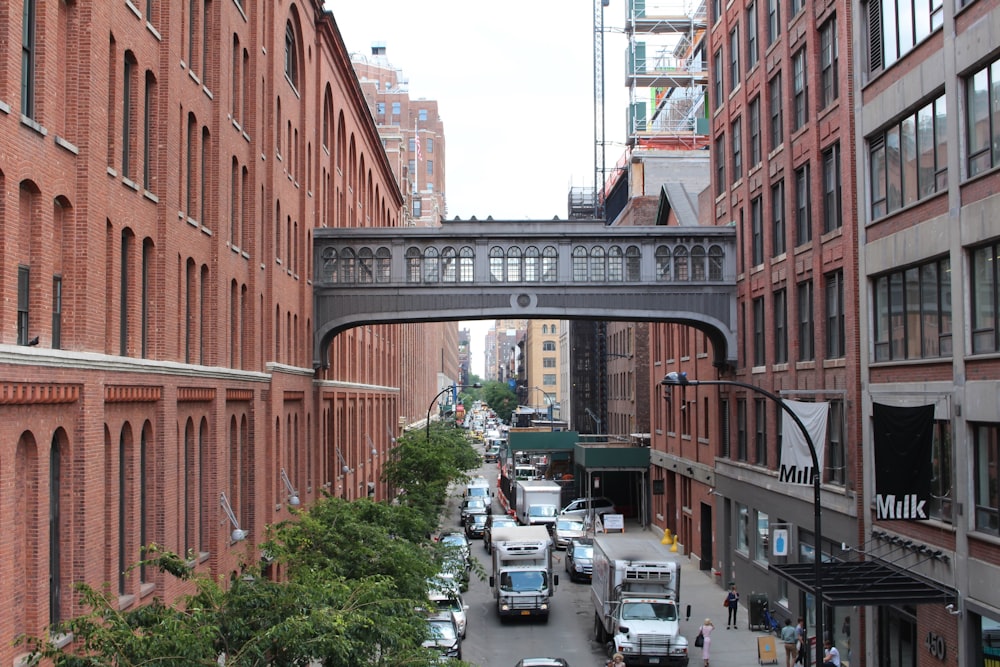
(454,541)
(583,552)
(649,611)
(478,491)
(569,526)
(442,629)
(449,604)
(524,582)
(472,503)
(478,519)
(542,510)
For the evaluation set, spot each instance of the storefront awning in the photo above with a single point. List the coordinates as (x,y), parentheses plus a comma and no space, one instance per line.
(867,582)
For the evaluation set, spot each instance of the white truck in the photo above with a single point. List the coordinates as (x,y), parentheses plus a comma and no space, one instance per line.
(635,589)
(522,579)
(537,502)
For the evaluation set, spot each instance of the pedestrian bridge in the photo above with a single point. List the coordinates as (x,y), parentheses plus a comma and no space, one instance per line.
(469,270)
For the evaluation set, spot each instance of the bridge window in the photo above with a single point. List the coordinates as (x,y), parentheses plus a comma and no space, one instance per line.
(413,261)
(366,266)
(514,264)
(347,261)
(431,265)
(680,263)
(715,260)
(532,262)
(449,265)
(616,264)
(330,264)
(598,264)
(466,265)
(549,264)
(632,264)
(580,264)
(698,263)
(383,265)
(496,264)
(663,263)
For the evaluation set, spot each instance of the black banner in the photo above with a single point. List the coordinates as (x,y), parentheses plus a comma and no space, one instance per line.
(903,471)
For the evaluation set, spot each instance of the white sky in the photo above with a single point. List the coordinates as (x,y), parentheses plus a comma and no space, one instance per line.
(514,84)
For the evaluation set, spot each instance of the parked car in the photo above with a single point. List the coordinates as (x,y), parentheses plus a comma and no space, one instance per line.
(470,505)
(541,662)
(584,508)
(566,530)
(580,560)
(496,521)
(443,635)
(445,594)
(475,525)
(491,455)
(458,542)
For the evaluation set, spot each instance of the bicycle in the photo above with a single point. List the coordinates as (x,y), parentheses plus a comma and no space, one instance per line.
(771,622)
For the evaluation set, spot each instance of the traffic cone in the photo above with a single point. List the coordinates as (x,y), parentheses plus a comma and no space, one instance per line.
(667,539)
(673,549)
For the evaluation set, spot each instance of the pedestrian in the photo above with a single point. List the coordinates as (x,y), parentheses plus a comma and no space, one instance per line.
(801,650)
(732,602)
(789,636)
(831,656)
(617,660)
(706,638)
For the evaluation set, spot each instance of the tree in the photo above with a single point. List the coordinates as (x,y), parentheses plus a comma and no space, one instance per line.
(500,398)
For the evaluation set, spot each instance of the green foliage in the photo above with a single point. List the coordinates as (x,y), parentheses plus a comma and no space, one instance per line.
(500,398)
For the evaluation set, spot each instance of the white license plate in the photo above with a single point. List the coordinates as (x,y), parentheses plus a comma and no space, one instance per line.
(653,661)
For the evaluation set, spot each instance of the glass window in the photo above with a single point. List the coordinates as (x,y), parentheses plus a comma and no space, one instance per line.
(983,118)
(781,326)
(778,219)
(422,114)
(720,165)
(806,329)
(986,472)
(549,379)
(940,505)
(737,138)
(763,537)
(803,209)
(758,332)
(741,429)
(912,312)
(776,104)
(734,58)
(800,86)
(895,27)
(836,346)
(742,528)
(985,297)
(757,231)
(753,50)
(832,215)
(836,454)
(754,115)
(717,79)
(828,62)
(773,21)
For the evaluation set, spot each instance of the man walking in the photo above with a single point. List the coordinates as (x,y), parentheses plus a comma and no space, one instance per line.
(790,637)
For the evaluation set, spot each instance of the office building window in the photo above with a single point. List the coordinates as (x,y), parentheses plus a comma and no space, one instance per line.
(734,58)
(835,328)
(753,50)
(291,55)
(741,429)
(23,313)
(28,54)
(754,114)
(895,27)
(422,115)
(717,82)
(776,105)
(828,62)
(720,165)
(778,219)
(549,379)
(757,231)
(986,471)
(800,89)
(983,118)
(417,208)
(737,137)
(912,311)
(836,454)
(380,108)
(773,21)
(908,160)
(985,294)
(758,332)
(806,328)
(549,362)
(763,537)
(781,326)
(832,212)
(395,109)
(797,6)
(742,528)
(760,431)
(803,210)
(940,505)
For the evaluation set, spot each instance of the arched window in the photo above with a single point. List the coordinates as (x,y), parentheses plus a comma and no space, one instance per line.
(598,264)
(514,264)
(383,265)
(466,264)
(413,260)
(715,262)
(550,261)
(545,328)
(698,263)
(330,264)
(496,264)
(680,263)
(532,264)
(291,55)
(449,265)
(633,258)
(663,263)
(431,265)
(580,257)
(366,266)
(616,264)
(55,529)
(347,263)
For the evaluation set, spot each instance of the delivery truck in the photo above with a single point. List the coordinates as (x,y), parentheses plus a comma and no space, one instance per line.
(537,502)
(522,580)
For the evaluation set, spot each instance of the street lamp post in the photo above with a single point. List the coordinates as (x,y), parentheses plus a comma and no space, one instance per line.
(548,397)
(454,388)
(681,379)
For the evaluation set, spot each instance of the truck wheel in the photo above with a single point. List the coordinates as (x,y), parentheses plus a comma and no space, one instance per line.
(598,630)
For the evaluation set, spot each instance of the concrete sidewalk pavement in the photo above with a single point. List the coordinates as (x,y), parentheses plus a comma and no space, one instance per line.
(702,590)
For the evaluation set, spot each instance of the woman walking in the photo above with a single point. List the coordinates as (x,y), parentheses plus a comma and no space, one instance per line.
(732,602)
(706,638)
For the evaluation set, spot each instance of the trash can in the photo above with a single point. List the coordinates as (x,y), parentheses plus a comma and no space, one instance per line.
(756,608)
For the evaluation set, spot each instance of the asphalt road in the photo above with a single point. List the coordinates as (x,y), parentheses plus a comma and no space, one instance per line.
(567,634)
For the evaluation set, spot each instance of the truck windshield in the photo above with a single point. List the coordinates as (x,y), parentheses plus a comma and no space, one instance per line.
(649,611)
(524,582)
(542,510)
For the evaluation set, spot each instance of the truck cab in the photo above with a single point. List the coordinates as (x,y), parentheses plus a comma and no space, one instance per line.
(522,579)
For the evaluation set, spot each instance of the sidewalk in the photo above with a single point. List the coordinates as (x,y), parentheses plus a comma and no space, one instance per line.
(701,590)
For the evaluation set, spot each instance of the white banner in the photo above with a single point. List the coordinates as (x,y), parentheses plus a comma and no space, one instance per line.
(796,461)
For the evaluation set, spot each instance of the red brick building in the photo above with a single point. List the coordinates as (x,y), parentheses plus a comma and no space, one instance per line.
(162,165)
